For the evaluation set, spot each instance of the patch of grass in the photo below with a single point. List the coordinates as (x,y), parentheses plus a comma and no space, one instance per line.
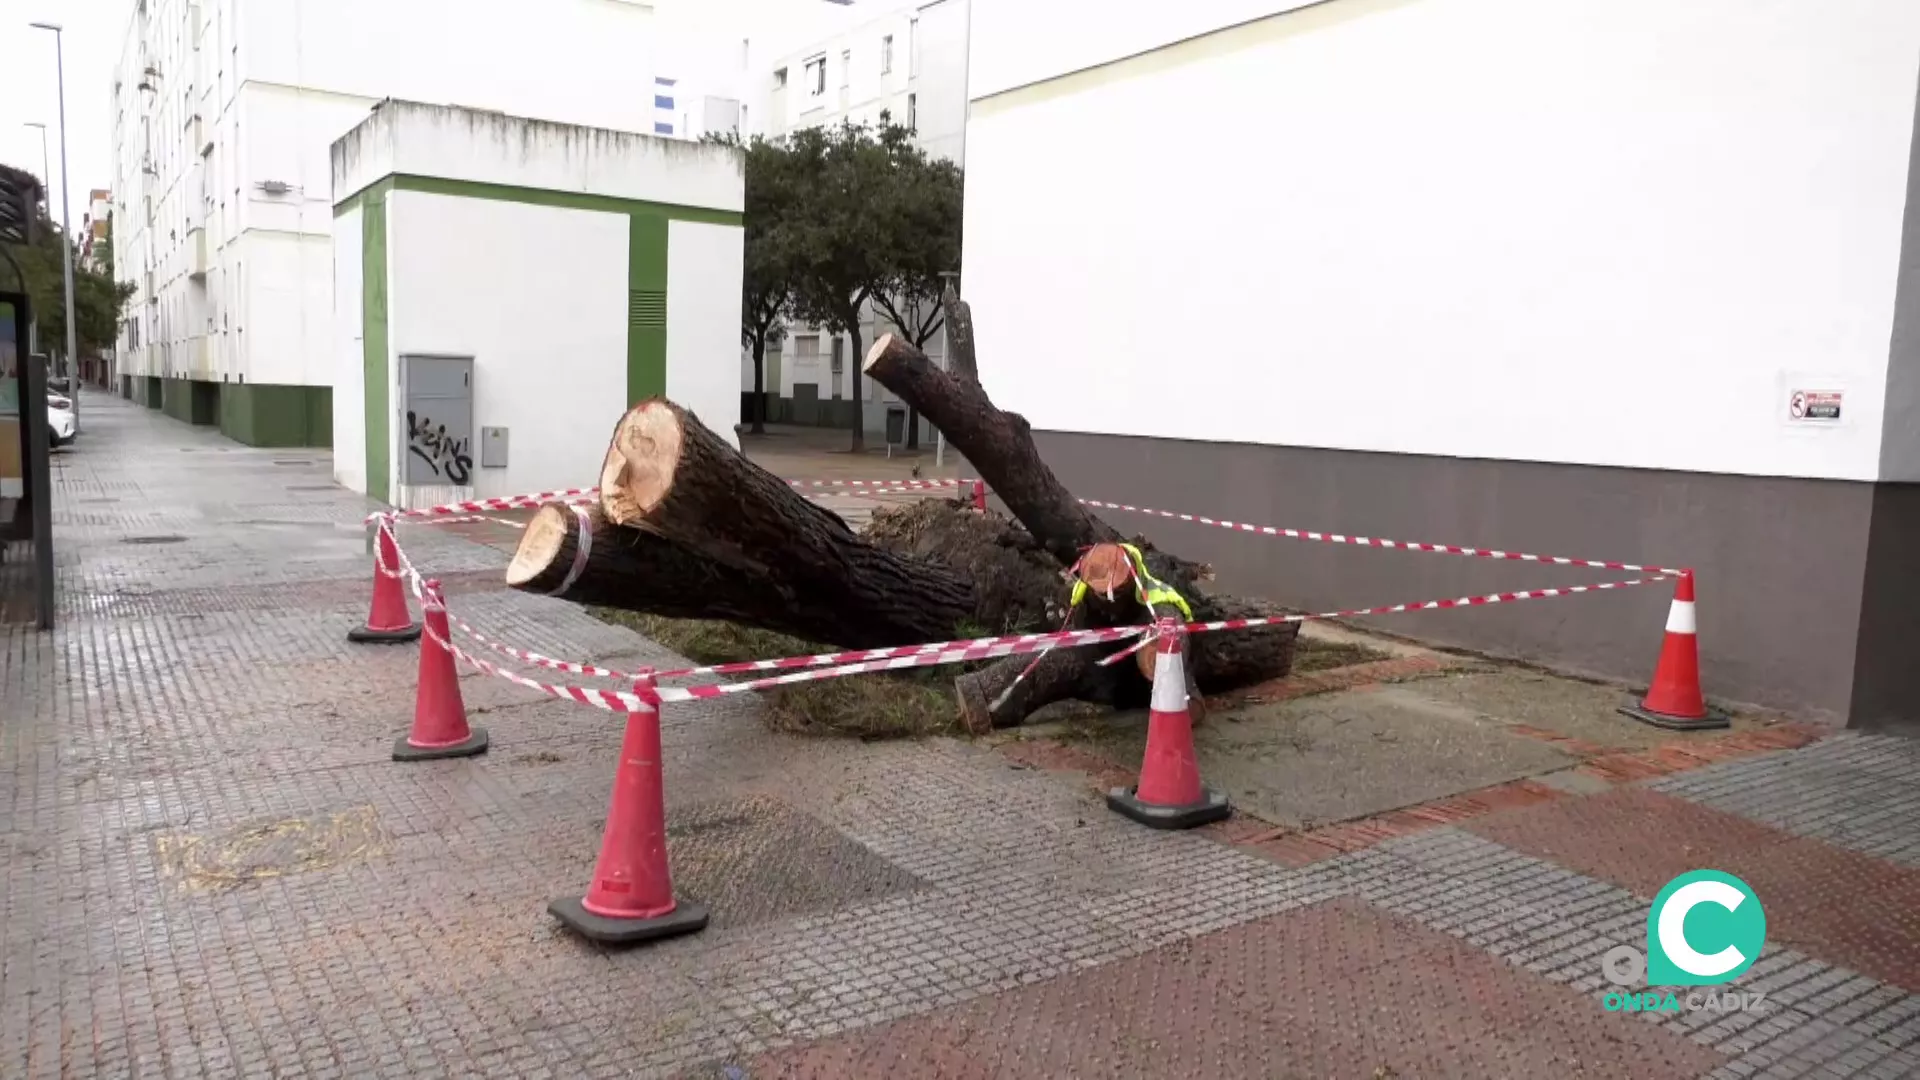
(876,705)
(1310,654)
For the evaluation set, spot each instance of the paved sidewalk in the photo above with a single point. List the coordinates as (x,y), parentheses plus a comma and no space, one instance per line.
(213,869)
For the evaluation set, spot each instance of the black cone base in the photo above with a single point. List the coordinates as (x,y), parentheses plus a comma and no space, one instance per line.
(1212,807)
(475,743)
(685,918)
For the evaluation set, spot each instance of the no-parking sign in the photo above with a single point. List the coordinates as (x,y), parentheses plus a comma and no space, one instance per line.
(1814,406)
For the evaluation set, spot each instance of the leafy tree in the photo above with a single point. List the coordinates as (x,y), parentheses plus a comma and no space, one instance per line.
(925,244)
(97,299)
(771,254)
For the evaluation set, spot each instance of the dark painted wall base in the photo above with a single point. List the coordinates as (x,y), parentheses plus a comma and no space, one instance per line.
(1809,591)
(257,414)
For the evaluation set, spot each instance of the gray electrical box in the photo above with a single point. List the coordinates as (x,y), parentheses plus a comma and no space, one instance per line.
(493,448)
(438,392)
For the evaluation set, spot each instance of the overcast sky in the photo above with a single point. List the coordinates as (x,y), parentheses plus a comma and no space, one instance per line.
(94,31)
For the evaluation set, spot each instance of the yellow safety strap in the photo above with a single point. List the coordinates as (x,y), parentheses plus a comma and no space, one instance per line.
(1151,591)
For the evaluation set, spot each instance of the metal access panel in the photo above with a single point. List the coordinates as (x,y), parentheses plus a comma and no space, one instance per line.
(493,448)
(438,394)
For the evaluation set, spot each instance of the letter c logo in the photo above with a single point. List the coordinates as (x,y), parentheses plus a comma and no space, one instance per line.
(1728,924)
(1673,927)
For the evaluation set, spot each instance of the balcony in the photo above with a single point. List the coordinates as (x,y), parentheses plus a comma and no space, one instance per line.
(197,253)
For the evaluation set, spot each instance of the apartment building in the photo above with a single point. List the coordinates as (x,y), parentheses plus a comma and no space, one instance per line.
(911,66)
(224,113)
(96,226)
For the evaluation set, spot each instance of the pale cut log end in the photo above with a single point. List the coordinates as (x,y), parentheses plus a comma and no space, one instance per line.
(638,470)
(540,544)
(880,346)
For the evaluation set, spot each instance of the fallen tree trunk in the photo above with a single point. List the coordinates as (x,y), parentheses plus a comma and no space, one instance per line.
(686,527)
(668,477)
(622,563)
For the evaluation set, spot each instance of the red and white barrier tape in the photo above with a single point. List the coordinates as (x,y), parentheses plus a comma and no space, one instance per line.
(1396,609)
(623,701)
(904,485)
(471,519)
(835,665)
(1374,541)
(505,502)
(540,498)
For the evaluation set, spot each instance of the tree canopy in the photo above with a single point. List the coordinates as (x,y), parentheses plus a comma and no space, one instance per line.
(97,299)
(839,216)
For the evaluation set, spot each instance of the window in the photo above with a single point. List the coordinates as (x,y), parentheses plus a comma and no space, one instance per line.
(913,112)
(780,79)
(846,67)
(839,355)
(886,55)
(816,76)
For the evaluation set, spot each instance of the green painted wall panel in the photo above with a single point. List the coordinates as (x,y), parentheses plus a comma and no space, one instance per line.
(269,414)
(376,378)
(646,307)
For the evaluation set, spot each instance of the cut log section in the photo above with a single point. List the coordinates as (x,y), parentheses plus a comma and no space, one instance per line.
(622,566)
(668,476)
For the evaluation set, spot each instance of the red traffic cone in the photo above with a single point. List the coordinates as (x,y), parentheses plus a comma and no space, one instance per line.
(980,495)
(389,621)
(439,716)
(631,898)
(1674,700)
(1169,795)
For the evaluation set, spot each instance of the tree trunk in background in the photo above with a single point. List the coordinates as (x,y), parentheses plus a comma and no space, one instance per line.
(858,383)
(759,413)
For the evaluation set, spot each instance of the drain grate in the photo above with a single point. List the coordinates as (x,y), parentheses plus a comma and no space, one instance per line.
(278,461)
(167,539)
(311,487)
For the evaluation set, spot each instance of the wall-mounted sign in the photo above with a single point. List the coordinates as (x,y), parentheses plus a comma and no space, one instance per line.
(1814,406)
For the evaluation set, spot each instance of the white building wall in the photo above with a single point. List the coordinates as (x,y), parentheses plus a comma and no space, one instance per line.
(1476,228)
(273,83)
(549,349)
(349,356)
(703,321)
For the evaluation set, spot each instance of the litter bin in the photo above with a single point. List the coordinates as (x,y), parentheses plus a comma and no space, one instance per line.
(896,426)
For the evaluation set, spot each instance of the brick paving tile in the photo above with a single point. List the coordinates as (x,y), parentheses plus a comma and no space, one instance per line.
(1840,906)
(1336,989)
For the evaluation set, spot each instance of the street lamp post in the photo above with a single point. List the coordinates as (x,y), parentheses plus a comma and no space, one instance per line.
(66,225)
(46,170)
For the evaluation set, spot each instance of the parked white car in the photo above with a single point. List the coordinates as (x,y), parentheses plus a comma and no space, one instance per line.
(61,424)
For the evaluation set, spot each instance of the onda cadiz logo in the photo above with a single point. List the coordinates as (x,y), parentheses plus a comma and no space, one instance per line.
(1704,929)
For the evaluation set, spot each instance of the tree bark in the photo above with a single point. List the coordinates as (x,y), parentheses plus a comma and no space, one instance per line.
(999,445)
(859,398)
(758,416)
(668,476)
(623,563)
(960,355)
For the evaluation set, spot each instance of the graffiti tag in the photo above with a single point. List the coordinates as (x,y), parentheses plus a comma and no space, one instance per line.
(430,443)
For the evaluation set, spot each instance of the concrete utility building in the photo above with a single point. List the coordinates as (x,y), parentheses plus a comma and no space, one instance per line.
(1621,279)
(223,115)
(504,287)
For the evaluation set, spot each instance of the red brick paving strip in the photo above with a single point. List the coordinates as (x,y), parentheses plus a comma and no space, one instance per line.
(1337,989)
(1349,677)
(1839,906)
